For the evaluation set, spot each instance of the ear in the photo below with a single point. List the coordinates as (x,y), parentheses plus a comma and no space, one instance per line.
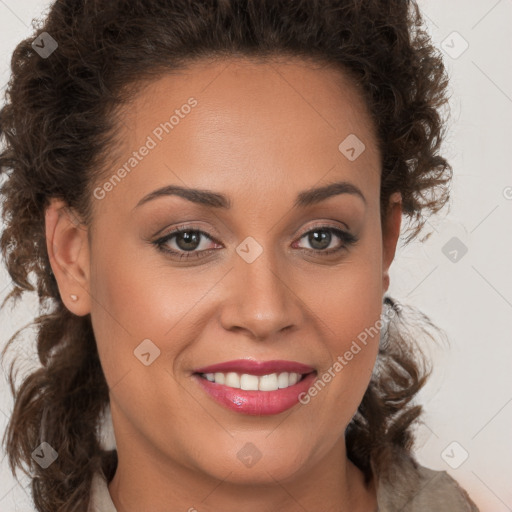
(68,251)
(390,235)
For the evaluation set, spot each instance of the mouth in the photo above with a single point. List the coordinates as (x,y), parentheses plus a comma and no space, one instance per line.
(248,382)
(256,387)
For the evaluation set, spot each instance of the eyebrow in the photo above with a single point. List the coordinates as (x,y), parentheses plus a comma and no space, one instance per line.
(216,200)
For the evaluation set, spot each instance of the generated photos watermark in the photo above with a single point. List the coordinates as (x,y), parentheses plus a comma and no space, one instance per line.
(158,133)
(343,360)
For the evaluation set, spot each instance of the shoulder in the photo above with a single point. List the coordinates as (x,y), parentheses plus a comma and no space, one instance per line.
(100,500)
(410,487)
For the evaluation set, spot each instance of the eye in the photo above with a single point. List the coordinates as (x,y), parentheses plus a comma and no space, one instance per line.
(320,238)
(189,243)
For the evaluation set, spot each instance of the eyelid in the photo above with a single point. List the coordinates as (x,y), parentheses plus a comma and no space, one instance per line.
(347,238)
(324,225)
(191,227)
(185,226)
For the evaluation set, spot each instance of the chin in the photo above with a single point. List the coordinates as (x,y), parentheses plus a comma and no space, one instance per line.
(249,465)
(261,474)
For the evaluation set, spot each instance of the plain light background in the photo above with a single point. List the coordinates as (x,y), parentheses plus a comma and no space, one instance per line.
(467,423)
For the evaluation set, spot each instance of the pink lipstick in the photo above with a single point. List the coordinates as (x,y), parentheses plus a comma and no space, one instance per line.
(256,387)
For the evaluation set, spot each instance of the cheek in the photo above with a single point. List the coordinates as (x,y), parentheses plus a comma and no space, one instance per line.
(125,308)
(131,292)
(133,303)
(138,296)
(350,311)
(353,346)
(351,302)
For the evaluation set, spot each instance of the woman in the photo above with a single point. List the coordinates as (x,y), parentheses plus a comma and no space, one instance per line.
(209,195)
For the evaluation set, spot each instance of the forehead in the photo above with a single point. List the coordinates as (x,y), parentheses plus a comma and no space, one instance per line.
(245,89)
(219,123)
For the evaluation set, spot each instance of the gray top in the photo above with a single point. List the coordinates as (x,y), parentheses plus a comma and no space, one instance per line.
(411,488)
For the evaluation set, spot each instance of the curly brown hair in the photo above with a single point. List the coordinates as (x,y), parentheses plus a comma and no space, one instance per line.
(59,126)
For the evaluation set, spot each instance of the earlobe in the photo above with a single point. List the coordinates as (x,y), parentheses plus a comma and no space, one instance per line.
(68,251)
(390,235)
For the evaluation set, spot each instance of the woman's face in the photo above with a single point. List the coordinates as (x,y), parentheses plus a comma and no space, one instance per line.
(265,279)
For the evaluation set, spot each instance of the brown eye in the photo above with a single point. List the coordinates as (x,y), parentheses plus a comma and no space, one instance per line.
(187,243)
(321,237)
(188,240)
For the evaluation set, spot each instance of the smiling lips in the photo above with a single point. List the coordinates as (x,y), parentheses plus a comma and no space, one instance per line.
(256,387)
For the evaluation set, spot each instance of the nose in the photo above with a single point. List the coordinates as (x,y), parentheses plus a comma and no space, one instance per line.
(260,300)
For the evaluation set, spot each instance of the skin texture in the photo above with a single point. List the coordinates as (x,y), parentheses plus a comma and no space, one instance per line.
(261,132)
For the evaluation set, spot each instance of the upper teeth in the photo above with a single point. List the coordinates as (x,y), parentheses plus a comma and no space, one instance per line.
(249,382)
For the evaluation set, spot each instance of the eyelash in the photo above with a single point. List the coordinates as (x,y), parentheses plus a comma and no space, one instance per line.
(348,239)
